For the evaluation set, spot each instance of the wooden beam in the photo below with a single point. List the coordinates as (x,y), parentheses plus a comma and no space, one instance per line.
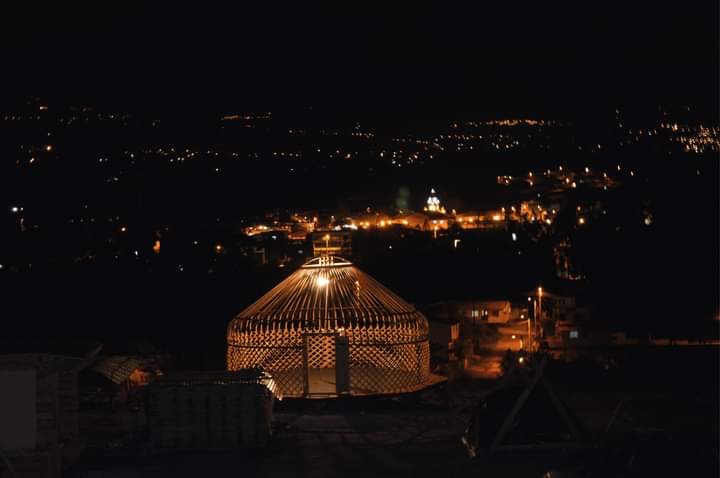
(543,446)
(505,427)
(88,358)
(306,378)
(560,409)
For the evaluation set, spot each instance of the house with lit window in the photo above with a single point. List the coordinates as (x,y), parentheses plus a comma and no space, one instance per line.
(473,312)
(332,243)
(492,311)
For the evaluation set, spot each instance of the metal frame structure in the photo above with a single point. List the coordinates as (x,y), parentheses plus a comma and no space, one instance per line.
(328,303)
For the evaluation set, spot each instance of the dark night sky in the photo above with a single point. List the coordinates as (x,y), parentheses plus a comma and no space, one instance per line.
(491,57)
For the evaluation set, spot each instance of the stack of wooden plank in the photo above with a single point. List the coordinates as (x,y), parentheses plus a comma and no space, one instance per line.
(31,464)
(210,410)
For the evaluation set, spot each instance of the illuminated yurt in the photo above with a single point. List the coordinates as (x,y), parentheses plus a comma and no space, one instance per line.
(329,329)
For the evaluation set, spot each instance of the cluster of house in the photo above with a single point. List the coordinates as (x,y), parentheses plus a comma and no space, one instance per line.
(433,217)
(332,235)
(556,323)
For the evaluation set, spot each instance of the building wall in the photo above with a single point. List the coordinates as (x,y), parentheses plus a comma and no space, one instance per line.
(18,409)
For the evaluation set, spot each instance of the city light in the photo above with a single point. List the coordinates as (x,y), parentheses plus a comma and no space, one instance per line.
(277,189)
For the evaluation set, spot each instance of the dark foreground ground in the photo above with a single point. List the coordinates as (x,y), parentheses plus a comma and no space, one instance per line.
(665,405)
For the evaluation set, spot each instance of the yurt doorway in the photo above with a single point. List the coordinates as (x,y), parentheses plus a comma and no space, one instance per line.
(326,364)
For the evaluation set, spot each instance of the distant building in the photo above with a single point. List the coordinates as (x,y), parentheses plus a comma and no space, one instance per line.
(427,221)
(560,308)
(332,243)
(472,312)
(444,337)
(468,220)
(413,220)
(493,311)
(300,230)
(368,220)
(484,220)
(433,203)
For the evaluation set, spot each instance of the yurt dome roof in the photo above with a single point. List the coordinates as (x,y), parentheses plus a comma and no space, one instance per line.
(330,290)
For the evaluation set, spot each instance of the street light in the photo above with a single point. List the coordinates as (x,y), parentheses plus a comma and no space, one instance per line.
(530,335)
(539,308)
(540,294)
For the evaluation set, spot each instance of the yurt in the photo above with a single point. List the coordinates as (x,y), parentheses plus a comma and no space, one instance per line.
(329,330)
